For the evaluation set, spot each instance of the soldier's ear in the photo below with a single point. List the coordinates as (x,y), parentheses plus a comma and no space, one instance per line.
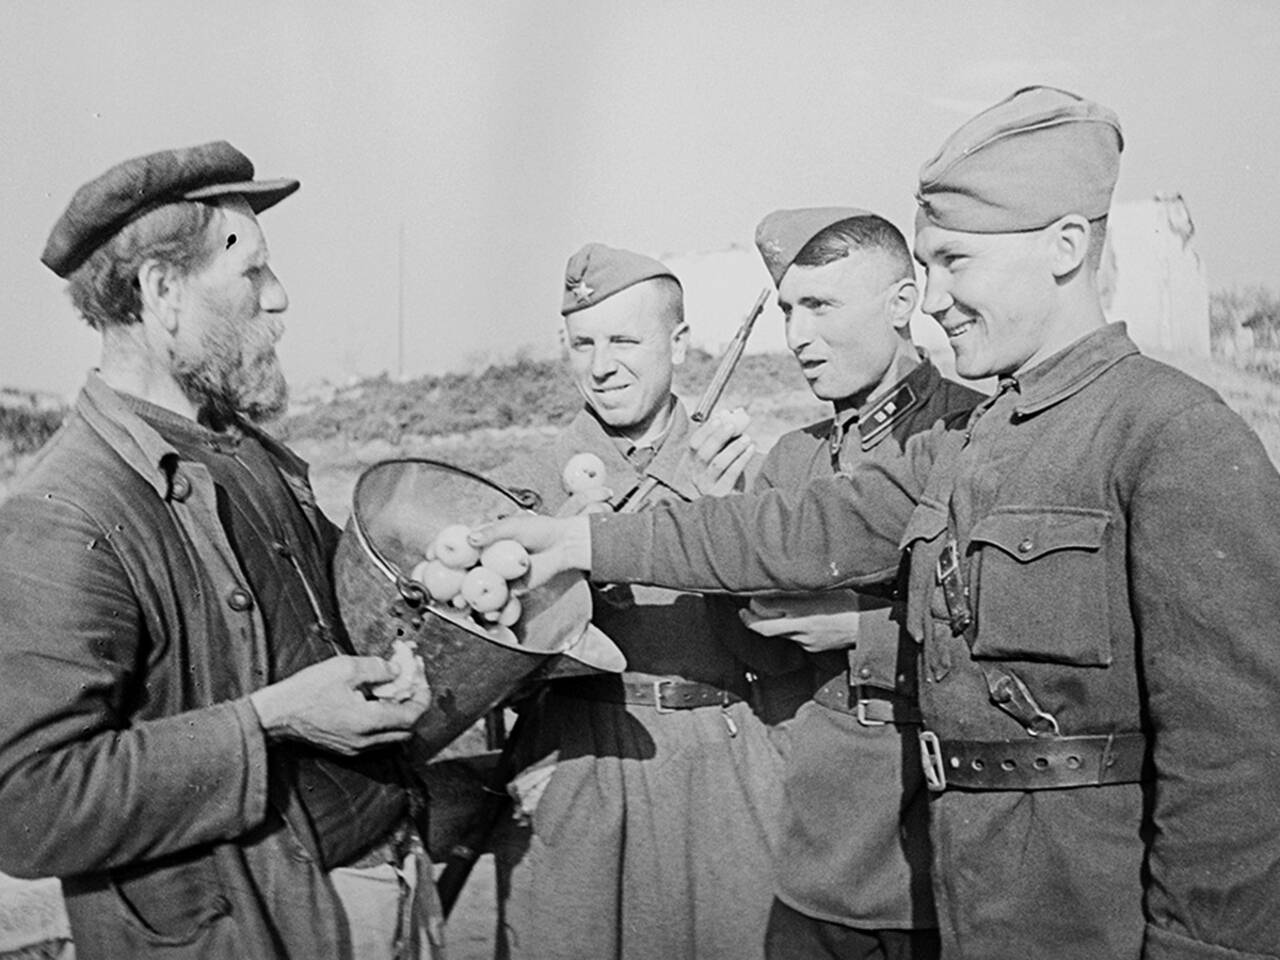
(679,342)
(160,293)
(1069,243)
(903,297)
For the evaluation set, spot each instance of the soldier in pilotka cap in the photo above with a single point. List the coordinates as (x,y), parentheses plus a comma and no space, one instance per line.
(652,797)
(1092,558)
(850,886)
(186,741)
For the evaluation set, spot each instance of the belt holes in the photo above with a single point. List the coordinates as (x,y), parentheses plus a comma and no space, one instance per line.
(1008,765)
(1040,763)
(1073,763)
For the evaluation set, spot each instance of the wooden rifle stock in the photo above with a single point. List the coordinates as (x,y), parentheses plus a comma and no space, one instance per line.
(711,395)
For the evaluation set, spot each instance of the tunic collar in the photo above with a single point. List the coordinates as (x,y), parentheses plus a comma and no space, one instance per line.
(1072,369)
(876,417)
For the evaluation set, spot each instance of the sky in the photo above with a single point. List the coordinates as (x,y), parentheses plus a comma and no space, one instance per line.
(454,154)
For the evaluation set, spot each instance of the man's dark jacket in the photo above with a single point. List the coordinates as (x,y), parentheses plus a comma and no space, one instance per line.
(132,764)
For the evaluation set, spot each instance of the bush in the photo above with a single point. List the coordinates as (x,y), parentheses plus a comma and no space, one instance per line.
(1253,307)
(24,430)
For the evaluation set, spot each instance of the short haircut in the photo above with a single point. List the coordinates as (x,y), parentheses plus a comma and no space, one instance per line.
(1097,242)
(672,302)
(104,289)
(869,232)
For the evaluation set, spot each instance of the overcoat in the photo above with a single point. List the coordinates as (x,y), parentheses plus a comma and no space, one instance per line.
(654,836)
(854,845)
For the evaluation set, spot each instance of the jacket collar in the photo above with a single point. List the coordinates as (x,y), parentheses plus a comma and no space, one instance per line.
(148,454)
(1072,369)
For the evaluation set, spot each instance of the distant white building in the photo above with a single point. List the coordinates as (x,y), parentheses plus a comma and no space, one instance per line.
(1153,279)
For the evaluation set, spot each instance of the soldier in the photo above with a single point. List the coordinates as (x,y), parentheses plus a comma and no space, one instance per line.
(184,741)
(1092,559)
(855,884)
(659,788)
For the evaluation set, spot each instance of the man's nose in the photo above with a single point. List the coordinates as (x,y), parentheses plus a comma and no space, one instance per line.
(603,362)
(937,296)
(273,298)
(799,331)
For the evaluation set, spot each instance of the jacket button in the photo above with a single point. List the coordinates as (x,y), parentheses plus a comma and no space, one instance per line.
(865,673)
(239,600)
(179,487)
(1026,545)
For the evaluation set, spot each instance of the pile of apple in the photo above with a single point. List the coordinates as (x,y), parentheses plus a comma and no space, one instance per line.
(456,573)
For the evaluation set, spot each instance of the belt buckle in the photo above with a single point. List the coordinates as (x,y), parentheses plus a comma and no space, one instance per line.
(657,697)
(935,772)
(948,564)
(860,708)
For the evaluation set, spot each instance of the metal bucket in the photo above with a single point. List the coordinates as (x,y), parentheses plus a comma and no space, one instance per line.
(398,507)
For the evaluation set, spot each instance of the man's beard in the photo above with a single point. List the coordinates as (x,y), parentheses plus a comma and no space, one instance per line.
(234,376)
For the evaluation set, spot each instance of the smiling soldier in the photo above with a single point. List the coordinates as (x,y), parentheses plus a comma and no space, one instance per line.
(652,836)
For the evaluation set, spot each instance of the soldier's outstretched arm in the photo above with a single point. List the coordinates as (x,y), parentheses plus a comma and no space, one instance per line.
(837,532)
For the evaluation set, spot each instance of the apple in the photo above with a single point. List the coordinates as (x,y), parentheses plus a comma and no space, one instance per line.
(584,471)
(510,612)
(484,590)
(507,558)
(442,583)
(410,682)
(454,549)
(739,420)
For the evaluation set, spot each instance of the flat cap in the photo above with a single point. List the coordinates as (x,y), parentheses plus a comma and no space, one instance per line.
(783,234)
(1036,156)
(597,272)
(103,206)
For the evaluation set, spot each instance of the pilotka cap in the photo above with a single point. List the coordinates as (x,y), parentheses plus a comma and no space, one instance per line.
(1039,155)
(597,272)
(783,234)
(103,206)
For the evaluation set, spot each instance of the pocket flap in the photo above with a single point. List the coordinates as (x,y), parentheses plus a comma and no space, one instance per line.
(1028,534)
(927,521)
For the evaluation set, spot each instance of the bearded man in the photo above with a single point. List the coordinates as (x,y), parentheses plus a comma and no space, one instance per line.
(186,742)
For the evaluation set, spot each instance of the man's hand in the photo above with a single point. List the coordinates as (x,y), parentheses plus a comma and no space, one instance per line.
(816,621)
(591,500)
(555,544)
(325,705)
(721,451)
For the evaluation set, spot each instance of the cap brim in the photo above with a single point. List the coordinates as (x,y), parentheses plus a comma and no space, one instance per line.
(259,194)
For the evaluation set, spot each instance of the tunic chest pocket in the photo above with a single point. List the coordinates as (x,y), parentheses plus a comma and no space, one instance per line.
(1039,582)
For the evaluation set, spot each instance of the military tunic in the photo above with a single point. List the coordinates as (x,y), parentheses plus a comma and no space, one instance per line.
(854,846)
(654,836)
(1118,538)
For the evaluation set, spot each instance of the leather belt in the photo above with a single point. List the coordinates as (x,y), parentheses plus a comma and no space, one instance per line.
(1042,763)
(873,706)
(663,694)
